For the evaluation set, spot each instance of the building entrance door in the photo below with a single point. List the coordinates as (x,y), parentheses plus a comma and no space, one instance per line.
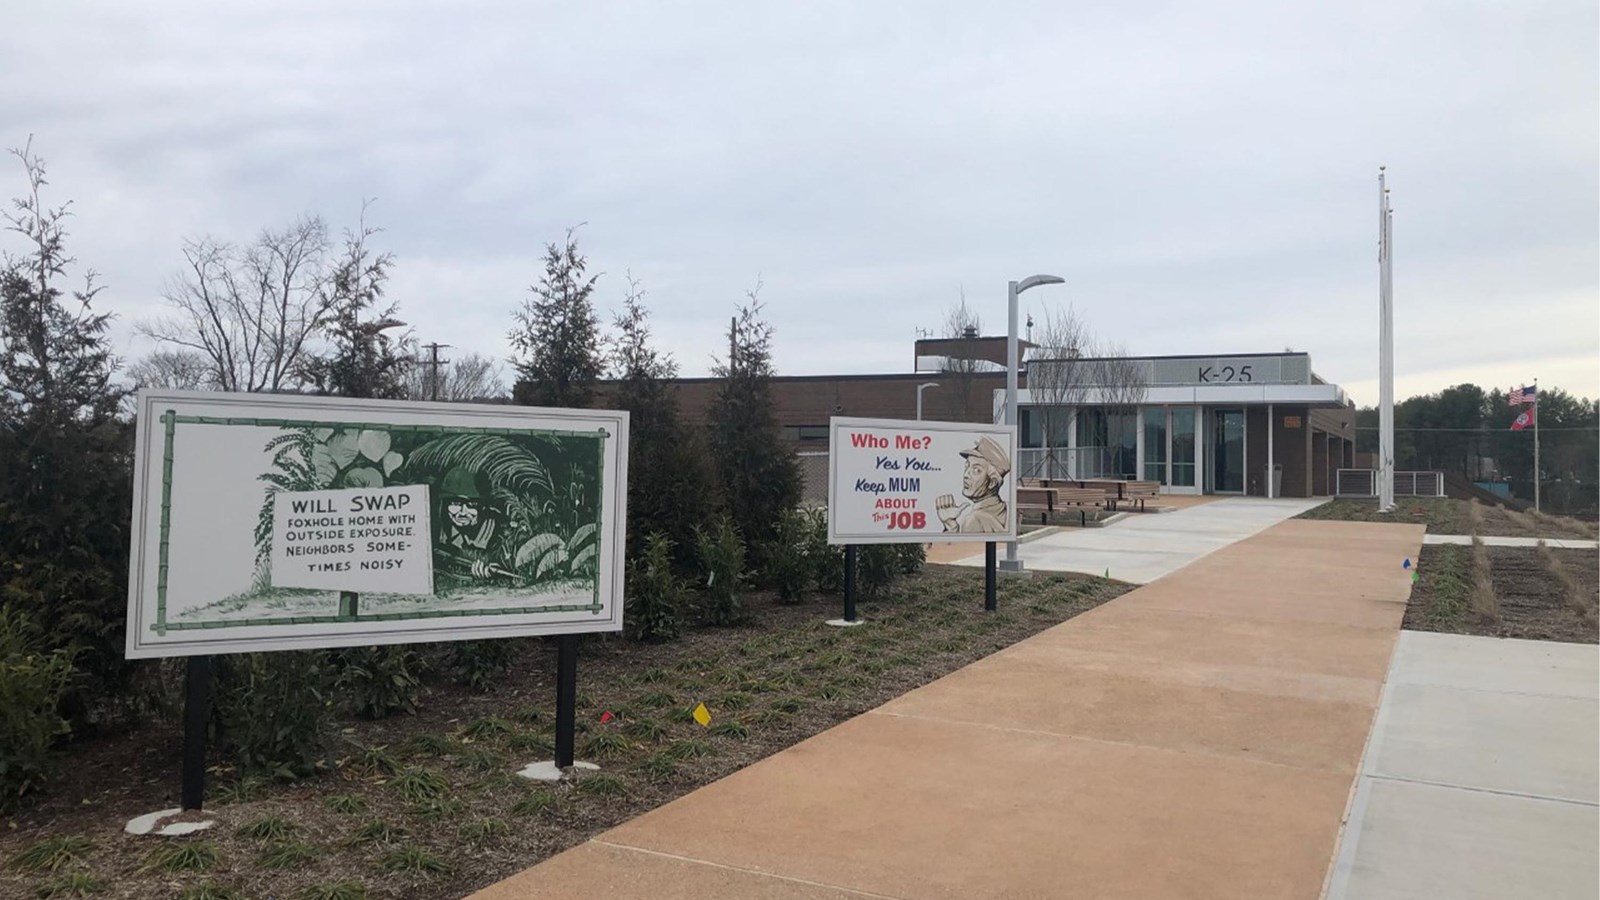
(1226,472)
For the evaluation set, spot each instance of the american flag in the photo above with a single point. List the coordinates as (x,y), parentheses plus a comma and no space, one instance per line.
(1522,395)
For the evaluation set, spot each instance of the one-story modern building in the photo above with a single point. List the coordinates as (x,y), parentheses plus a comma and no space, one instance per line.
(1259,424)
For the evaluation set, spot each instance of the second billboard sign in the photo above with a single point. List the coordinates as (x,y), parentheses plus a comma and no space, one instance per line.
(898,481)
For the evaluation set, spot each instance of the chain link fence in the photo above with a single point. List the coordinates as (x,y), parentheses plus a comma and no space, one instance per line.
(813,477)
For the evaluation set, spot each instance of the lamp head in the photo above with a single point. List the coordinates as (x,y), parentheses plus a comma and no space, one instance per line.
(1033,281)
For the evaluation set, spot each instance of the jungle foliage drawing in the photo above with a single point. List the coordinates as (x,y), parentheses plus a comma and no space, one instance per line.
(515,519)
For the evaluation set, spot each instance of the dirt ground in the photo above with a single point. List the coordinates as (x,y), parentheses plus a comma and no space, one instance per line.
(768,684)
(1450,516)
(1533,602)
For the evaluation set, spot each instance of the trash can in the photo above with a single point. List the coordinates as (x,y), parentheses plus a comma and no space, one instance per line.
(1277,479)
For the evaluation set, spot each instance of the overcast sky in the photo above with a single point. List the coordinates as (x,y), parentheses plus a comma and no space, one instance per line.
(1203,174)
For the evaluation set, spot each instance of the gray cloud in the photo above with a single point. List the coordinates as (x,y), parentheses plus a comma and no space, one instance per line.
(1203,175)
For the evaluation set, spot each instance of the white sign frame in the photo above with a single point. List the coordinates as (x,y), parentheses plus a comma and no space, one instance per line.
(178,544)
(948,439)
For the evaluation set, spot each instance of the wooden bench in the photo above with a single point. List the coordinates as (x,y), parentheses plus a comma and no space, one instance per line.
(1140,491)
(1048,500)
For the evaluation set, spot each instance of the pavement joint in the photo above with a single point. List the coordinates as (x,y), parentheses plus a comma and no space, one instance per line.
(1454,786)
(1086,739)
(856,892)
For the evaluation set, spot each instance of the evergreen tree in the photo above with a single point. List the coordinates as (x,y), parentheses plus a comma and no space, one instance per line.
(758,471)
(65,456)
(557,334)
(365,361)
(670,483)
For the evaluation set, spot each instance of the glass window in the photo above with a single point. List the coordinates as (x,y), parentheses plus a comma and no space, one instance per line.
(1029,430)
(1092,428)
(1155,444)
(1183,447)
(1123,429)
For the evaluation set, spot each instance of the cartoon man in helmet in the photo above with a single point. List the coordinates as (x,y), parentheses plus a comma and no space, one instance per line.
(986,469)
(468,546)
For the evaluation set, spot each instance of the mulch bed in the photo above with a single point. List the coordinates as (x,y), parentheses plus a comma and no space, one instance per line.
(1534,604)
(1450,516)
(769,684)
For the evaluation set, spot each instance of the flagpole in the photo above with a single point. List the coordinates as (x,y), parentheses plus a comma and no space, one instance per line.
(1385,349)
(1536,445)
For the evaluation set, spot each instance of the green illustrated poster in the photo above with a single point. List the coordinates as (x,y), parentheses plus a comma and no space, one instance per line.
(271,522)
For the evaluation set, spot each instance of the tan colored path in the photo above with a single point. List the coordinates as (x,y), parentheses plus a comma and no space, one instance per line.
(1195,738)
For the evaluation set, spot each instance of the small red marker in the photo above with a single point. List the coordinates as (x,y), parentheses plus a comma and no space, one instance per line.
(606,717)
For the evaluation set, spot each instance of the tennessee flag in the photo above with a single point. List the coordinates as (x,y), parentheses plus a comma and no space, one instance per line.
(1524,419)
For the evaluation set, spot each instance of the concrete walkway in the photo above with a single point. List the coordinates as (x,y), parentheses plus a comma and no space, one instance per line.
(1195,738)
(1144,547)
(1553,543)
(1482,779)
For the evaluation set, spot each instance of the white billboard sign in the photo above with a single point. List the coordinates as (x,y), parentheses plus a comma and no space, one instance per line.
(894,481)
(272,522)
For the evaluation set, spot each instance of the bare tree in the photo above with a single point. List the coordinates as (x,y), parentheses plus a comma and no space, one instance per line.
(1059,376)
(1122,383)
(183,370)
(252,313)
(960,366)
(470,376)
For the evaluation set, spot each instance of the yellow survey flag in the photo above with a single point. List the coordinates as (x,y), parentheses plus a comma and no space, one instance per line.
(702,715)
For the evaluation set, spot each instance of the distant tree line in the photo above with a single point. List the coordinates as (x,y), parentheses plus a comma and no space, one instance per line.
(1467,431)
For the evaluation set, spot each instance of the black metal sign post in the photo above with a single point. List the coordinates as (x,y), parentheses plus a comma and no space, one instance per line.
(990,603)
(850,582)
(196,709)
(566,698)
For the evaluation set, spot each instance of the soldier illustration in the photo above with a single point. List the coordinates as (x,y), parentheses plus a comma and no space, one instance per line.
(986,470)
(468,544)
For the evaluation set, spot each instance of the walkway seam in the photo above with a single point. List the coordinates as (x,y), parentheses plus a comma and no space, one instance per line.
(1344,854)
(1210,754)
(716,865)
(1483,690)
(1448,785)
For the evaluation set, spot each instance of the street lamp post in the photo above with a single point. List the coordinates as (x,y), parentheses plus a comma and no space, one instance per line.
(1012,563)
(920,388)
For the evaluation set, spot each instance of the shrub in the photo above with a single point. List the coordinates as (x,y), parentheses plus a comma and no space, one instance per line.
(51,854)
(377,682)
(267,828)
(722,561)
(286,854)
(483,830)
(480,665)
(909,558)
(345,804)
(182,856)
(757,469)
(876,568)
(377,831)
(534,803)
(32,683)
(412,859)
(75,884)
(826,560)
(655,592)
(271,711)
(787,568)
(420,785)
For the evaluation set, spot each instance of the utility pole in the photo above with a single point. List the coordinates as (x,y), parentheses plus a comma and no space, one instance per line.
(433,364)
